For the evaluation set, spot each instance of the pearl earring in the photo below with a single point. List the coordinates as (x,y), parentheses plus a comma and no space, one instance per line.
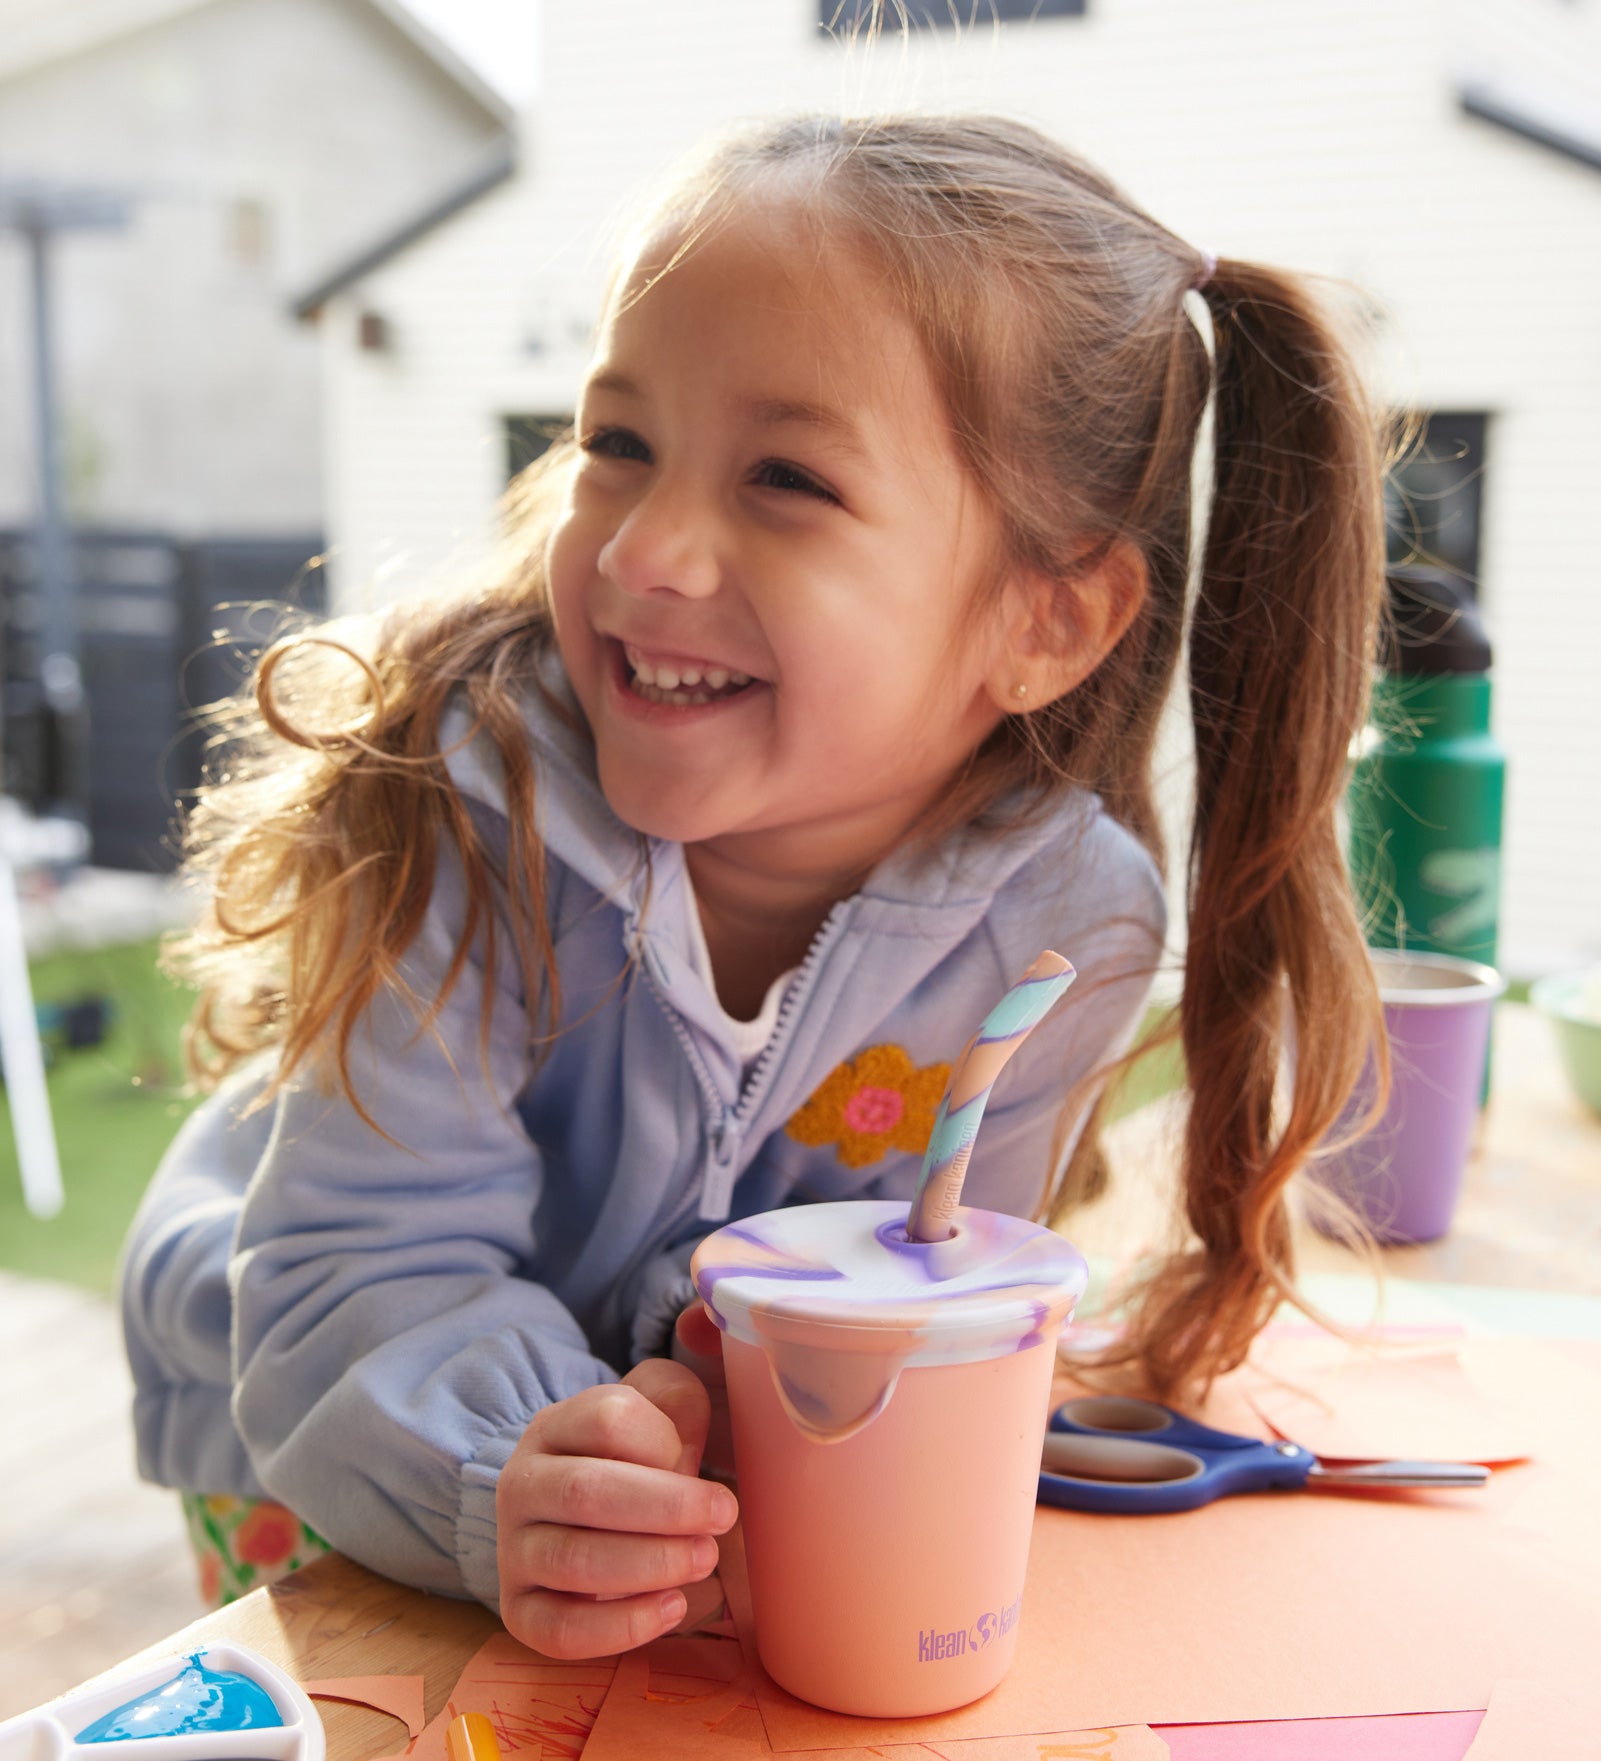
(1020,692)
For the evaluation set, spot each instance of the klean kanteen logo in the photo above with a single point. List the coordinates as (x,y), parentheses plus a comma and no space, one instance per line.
(934,1646)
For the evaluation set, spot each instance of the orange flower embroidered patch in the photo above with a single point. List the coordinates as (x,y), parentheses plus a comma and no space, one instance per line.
(878,1102)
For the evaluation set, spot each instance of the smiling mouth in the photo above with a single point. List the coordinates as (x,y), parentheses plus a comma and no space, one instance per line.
(681,684)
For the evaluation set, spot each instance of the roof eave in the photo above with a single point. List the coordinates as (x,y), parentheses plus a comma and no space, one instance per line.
(1547,120)
(498,169)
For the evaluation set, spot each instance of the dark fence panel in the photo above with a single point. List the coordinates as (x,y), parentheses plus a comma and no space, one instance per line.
(149,609)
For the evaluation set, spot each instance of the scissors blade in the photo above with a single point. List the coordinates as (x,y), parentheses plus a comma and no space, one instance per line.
(1400,1473)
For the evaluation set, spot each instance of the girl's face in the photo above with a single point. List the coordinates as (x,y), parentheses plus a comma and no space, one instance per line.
(765,572)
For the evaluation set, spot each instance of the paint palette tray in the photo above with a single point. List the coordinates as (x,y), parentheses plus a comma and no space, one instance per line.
(54,1732)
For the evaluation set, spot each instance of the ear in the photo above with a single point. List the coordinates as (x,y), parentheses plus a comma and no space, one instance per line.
(1058,629)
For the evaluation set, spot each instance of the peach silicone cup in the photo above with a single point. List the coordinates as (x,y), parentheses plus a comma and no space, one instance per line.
(888,1400)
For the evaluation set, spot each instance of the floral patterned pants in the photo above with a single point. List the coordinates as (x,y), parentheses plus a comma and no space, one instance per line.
(243,1543)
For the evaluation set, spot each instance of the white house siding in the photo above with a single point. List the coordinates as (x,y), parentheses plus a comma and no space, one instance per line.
(1326,136)
(190,397)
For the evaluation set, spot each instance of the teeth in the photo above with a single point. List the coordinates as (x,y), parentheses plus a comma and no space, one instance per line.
(658,682)
(678,699)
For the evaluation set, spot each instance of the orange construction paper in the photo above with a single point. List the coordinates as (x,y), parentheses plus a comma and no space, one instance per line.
(693,1699)
(1541,1721)
(1352,1404)
(540,1709)
(688,1698)
(1288,1605)
(401,1696)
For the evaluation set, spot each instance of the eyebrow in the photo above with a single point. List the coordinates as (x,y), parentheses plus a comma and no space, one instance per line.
(776,412)
(765,412)
(609,379)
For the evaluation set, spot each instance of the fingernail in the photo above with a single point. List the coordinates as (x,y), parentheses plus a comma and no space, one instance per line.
(726,1510)
(673,1606)
(704,1555)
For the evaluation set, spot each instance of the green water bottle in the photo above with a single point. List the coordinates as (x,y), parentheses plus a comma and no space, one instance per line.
(1429,777)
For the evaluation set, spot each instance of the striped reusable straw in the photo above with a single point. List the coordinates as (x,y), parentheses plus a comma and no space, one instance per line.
(1008,1024)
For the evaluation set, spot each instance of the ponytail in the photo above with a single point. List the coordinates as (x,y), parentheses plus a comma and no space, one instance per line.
(1280,648)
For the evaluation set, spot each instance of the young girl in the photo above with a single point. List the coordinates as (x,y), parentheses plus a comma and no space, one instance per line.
(657,881)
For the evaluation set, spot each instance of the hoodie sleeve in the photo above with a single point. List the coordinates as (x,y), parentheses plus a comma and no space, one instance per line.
(389,1354)
(172,1288)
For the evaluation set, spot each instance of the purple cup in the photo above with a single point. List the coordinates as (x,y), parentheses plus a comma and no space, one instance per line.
(1403,1176)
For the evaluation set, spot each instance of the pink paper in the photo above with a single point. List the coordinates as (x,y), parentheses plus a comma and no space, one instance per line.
(1422,1736)
(401,1696)
(1541,1721)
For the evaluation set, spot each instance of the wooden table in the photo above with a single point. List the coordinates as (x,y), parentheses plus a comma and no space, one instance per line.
(1530,1218)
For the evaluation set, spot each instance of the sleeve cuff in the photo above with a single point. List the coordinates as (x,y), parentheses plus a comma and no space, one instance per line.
(475,1523)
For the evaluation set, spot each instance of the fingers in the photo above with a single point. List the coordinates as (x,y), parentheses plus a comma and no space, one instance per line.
(698,1333)
(679,1394)
(593,1562)
(564,1626)
(617,1422)
(584,1492)
(600,1514)
(698,1344)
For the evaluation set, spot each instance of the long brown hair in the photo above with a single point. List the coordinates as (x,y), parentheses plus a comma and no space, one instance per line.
(1053,314)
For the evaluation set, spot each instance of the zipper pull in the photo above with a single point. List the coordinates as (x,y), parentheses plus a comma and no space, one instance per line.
(649,953)
(717,1177)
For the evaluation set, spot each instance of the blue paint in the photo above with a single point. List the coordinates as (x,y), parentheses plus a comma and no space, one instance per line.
(199,1699)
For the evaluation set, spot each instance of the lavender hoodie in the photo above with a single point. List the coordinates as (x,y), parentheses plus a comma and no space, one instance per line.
(363,1328)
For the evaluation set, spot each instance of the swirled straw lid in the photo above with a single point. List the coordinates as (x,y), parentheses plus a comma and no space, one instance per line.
(996,1286)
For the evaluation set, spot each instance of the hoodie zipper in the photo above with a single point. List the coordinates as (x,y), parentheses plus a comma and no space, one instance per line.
(726,1126)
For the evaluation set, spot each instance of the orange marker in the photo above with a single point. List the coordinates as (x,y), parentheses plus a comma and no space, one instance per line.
(472,1738)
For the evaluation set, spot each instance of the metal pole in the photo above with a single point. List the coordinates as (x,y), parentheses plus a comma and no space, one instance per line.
(36,213)
(60,673)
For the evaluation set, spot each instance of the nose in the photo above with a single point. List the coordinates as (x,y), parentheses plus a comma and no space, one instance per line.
(665,543)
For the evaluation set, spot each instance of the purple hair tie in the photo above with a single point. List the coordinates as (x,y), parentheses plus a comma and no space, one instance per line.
(1207,270)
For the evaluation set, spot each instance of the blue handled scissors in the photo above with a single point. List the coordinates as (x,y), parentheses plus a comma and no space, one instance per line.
(1135,1457)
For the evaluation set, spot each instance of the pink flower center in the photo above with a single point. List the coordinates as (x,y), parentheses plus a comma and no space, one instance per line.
(873,1111)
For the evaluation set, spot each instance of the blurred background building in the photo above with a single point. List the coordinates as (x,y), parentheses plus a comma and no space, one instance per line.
(249,143)
(1442,158)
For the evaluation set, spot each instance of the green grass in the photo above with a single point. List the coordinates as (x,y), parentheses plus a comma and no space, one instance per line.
(116,1107)
(1157,1073)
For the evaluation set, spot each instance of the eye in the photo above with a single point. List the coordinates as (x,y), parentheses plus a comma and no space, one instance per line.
(792,480)
(615,443)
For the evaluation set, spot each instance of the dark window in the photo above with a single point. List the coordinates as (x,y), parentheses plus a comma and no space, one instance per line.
(841,17)
(1434,499)
(529,436)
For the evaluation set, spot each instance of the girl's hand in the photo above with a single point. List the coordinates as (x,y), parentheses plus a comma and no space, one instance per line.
(601,1515)
(698,1344)
(697,1335)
